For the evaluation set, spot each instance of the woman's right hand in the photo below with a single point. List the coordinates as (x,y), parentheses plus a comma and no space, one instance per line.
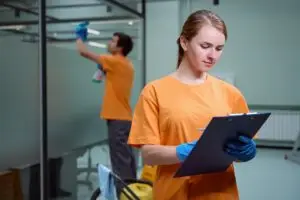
(166,155)
(183,150)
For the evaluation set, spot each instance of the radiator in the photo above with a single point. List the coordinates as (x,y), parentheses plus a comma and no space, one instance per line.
(281,126)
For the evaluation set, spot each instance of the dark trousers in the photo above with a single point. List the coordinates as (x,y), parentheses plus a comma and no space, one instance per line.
(121,154)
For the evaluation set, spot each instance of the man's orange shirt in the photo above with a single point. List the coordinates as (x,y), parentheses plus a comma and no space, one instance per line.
(170,113)
(118,85)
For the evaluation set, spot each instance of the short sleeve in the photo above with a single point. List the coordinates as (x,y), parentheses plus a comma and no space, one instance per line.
(144,127)
(240,105)
(106,62)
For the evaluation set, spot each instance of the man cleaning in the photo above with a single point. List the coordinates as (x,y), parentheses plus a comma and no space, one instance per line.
(116,109)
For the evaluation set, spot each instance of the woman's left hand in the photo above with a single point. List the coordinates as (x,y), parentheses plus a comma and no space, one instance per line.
(243,149)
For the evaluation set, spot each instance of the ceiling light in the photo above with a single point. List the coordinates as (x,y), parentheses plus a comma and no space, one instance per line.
(96,44)
(16,27)
(120,21)
(94,32)
(130,23)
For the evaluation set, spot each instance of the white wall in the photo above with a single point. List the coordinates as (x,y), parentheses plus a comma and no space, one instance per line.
(261,52)
(162,33)
(262,49)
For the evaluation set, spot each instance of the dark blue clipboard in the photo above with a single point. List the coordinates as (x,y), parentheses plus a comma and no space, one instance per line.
(208,156)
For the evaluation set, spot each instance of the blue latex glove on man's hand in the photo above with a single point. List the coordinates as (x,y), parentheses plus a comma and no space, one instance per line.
(183,150)
(243,149)
(81,31)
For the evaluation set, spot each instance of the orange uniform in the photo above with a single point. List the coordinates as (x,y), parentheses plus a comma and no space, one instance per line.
(169,112)
(118,85)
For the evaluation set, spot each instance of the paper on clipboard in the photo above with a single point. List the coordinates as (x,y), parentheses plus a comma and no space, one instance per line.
(233,114)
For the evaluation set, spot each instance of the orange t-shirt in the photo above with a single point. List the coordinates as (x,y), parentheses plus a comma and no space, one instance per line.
(169,112)
(118,85)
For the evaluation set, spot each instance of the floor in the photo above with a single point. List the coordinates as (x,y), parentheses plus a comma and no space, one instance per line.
(268,177)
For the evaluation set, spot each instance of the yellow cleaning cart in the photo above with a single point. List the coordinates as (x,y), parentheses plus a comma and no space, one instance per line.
(135,189)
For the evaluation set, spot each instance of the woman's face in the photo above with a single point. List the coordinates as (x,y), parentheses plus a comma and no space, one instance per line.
(204,50)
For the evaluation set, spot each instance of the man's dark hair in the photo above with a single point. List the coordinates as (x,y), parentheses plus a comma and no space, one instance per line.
(125,42)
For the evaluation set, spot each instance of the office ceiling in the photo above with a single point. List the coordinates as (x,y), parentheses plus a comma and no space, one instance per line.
(105,16)
(20,18)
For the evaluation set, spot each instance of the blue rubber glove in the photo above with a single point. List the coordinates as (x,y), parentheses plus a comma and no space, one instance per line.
(183,150)
(243,149)
(81,31)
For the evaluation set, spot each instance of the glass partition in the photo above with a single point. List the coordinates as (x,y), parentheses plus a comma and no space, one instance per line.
(19,106)
(77,137)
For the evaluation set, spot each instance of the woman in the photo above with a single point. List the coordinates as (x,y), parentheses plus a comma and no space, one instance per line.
(171,110)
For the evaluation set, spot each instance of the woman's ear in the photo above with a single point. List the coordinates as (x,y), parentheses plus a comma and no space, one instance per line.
(183,43)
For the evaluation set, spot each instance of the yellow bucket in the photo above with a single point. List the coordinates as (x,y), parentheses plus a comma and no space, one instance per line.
(142,191)
(149,173)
